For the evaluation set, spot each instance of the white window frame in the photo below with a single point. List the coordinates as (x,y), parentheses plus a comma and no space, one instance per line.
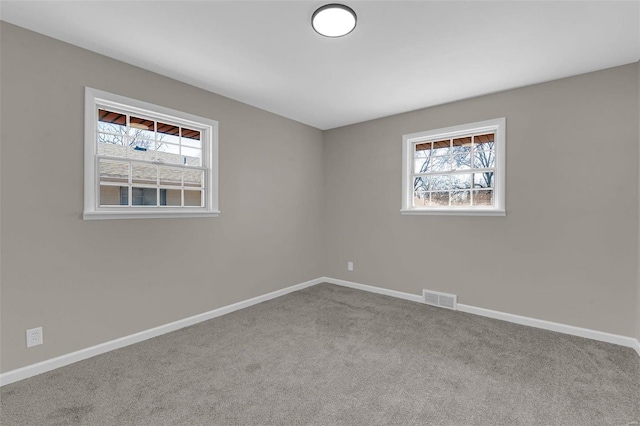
(498,126)
(95,99)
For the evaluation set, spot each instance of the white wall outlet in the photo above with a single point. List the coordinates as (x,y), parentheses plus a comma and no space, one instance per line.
(349,266)
(34,337)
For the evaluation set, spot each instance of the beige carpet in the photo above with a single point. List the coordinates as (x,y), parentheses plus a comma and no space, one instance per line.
(329,355)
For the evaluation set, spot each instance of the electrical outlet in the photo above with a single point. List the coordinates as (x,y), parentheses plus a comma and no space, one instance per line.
(349,266)
(34,337)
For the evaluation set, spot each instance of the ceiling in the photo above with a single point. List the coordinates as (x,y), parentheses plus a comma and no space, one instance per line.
(402,56)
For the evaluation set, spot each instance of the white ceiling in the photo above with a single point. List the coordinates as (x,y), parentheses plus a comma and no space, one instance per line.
(402,56)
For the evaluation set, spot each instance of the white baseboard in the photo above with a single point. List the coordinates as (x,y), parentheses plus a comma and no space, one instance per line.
(531,322)
(552,326)
(372,289)
(60,361)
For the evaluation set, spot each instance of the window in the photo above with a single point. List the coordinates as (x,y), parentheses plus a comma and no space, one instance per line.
(147,161)
(455,171)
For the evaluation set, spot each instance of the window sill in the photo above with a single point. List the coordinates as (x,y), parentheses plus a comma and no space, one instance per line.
(453,212)
(102,215)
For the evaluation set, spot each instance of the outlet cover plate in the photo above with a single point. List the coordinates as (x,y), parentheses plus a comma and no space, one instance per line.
(34,337)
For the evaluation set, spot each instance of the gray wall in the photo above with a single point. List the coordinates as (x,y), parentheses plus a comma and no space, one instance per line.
(88,282)
(567,249)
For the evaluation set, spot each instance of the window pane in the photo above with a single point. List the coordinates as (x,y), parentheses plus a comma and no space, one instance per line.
(140,144)
(193,198)
(440,164)
(461,145)
(193,178)
(114,146)
(483,198)
(112,122)
(168,133)
(422,149)
(422,183)
(191,156)
(170,176)
(144,173)
(461,181)
(440,182)
(439,198)
(442,147)
(172,197)
(484,160)
(484,142)
(461,161)
(483,180)
(484,147)
(420,199)
(110,195)
(124,195)
(421,165)
(141,128)
(169,153)
(191,138)
(114,171)
(460,198)
(108,138)
(142,150)
(144,196)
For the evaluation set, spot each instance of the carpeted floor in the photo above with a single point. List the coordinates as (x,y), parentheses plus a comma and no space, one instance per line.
(329,355)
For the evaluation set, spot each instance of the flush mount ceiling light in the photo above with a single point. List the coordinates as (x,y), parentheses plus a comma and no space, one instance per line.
(334,20)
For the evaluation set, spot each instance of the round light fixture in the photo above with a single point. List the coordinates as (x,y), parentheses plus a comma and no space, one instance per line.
(334,20)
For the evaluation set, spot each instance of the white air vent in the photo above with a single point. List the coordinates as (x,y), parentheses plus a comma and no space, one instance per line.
(442,300)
